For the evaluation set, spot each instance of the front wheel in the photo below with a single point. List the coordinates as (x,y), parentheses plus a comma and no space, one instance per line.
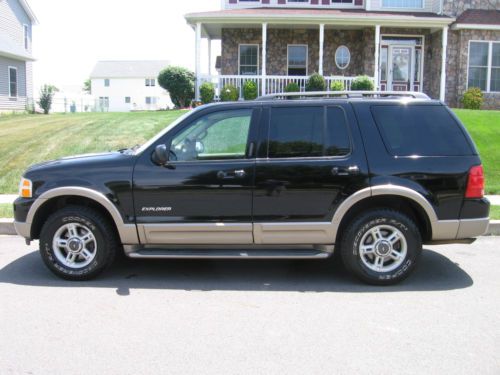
(381,247)
(77,243)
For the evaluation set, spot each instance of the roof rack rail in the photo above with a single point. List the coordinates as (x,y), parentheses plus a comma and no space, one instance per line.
(348,94)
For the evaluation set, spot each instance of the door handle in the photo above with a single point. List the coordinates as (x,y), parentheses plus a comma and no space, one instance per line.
(239,173)
(345,171)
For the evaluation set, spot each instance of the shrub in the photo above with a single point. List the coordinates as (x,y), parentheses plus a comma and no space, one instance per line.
(362,83)
(207,92)
(250,90)
(292,87)
(337,86)
(47,93)
(316,82)
(179,82)
(473,98)
(229,93)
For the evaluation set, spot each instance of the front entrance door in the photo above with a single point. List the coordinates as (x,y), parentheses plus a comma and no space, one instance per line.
(401,67)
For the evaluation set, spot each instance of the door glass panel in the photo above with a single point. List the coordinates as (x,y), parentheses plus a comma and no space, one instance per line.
(216,136)
(296,132)
(401,64)
(418,63)
(383,64)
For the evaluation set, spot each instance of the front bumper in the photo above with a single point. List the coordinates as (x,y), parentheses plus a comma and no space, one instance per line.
(23,229)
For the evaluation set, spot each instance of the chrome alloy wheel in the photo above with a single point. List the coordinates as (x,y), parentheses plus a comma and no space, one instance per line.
(383,248)
(74,245)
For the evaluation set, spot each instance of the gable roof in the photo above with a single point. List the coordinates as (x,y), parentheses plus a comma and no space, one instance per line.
(478,18)
(28,11)
(128,69)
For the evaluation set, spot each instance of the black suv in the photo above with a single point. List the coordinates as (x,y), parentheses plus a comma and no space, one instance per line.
(371,176)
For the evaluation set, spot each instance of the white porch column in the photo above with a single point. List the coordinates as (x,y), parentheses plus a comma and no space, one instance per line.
(442,90)
(209,56)
(264,58)
(321,43)
(198,60)
(377,64)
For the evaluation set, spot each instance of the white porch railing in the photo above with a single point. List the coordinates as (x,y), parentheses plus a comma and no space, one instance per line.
(273,84)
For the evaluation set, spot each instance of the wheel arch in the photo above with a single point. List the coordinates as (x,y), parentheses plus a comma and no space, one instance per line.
(400,198)
(57,198)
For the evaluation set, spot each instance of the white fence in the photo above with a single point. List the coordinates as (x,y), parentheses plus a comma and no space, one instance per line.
(273,84)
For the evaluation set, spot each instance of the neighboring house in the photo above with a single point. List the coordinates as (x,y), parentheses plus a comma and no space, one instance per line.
(122,86)
(440,47)
(16,73)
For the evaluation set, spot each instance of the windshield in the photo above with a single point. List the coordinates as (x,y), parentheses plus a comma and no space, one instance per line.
(160,134)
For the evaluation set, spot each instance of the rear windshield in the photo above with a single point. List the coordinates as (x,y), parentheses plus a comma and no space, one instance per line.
(420,130)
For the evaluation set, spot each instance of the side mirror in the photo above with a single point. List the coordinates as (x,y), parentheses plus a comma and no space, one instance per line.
(160,156)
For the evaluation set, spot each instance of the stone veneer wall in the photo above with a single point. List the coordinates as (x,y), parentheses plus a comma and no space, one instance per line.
(456,7)
(458,55)
(361,44)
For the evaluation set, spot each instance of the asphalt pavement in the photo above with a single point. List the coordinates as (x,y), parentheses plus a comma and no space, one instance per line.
(251,317)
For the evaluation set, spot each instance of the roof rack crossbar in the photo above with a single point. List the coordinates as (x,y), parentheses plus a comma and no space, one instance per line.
(348,94)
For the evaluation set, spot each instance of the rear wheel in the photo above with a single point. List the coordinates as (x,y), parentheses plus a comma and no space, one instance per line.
(77,243)
(381,247)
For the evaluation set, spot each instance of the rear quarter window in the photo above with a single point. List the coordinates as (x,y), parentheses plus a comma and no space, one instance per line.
(420,130)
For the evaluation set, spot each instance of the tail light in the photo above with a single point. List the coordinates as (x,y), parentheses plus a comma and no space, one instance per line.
(475,182)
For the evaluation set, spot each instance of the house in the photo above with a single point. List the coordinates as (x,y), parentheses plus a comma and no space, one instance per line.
(122,86)
(440,47)
(16,60)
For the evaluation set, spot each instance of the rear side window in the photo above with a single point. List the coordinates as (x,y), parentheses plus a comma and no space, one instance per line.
(303,132)
(420,130)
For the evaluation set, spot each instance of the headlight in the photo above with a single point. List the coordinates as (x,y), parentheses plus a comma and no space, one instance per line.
(25,188)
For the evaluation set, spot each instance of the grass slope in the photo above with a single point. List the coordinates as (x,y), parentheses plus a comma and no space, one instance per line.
(484,128)
(29,139)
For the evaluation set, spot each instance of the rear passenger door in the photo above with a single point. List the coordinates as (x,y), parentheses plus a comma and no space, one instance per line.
(309,161)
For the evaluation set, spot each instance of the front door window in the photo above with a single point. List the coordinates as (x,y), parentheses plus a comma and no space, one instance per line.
(401,65)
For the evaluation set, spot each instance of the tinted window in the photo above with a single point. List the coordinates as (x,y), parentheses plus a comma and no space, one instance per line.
(296,132)
(420,130)
(302,132)
(337,142)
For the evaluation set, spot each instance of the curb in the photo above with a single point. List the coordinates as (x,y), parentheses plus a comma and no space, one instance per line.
(7,228)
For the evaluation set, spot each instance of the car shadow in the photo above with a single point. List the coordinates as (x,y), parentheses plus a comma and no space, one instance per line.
(434,273)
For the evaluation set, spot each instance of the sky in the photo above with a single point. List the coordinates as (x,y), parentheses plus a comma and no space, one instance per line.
(72,35)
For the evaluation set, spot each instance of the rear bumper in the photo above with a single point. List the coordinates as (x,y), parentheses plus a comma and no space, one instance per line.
(472,227)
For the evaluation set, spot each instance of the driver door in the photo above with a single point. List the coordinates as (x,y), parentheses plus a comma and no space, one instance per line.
(204,194)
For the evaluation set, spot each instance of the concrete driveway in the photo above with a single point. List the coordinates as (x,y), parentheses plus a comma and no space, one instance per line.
(251,317)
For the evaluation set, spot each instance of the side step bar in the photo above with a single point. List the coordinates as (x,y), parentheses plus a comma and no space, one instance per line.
(228,254)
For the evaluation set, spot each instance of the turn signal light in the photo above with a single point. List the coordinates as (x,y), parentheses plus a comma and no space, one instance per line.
(25,188)
(475,183)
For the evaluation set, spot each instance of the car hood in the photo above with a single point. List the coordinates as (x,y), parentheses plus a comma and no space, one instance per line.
(79,161)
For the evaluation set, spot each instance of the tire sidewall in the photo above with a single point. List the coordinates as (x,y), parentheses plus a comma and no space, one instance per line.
(47,252)
(414,246)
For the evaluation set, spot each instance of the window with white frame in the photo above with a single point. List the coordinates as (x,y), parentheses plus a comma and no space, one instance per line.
(12,82)
(106,82)
(26,37)
(249,59)
(127,100)
(150,100)
(484,66)
(150,82)
(415,4)
(297,60)
(342,57)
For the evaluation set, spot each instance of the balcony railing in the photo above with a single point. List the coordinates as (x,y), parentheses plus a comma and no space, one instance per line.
(273,84)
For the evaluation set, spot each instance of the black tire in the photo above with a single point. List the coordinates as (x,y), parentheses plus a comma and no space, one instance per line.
(359,229)
(105,245)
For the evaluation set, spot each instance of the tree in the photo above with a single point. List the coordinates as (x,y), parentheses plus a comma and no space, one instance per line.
(179,82)
(47,92)
(87,86)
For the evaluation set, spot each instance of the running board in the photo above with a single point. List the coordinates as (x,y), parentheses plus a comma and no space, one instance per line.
(227,254)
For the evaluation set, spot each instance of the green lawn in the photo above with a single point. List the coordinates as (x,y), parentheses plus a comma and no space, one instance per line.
(28,139)
(495,213)
(6,210)
(484,127)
